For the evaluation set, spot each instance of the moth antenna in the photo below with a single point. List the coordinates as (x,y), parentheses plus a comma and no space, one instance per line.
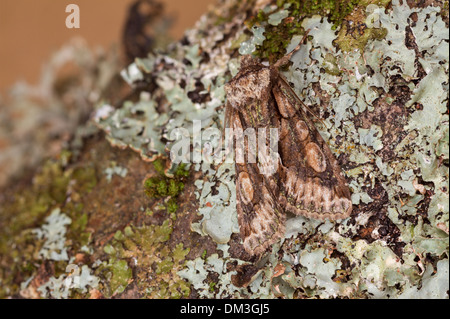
(284,60)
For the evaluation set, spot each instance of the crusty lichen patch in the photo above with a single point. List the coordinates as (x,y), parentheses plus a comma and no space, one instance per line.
(24,246)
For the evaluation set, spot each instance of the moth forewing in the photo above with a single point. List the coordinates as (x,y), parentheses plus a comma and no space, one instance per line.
(290,91)
(260,217)
(268,158)
(317,183)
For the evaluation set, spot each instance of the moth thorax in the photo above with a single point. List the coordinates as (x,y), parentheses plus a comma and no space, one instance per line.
(248,87)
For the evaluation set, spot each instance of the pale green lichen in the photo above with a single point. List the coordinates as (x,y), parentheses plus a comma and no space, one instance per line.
(218,208)
(249,46)
(198,270)
(115,170)
(376,270)
(434,285)
(275,18)
(134,125)
(54,233)
(319,274)
(371,137)
(73,280)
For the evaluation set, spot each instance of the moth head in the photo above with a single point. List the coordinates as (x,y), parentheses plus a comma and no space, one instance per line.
(247,61)
(252,83)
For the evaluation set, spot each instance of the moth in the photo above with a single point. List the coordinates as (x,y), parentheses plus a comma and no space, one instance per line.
(307,180)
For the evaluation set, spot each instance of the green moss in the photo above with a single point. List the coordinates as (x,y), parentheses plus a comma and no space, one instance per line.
(182,171)
(159,166)
(77,229)
(357,32)
(86,179)
(18,245)
(161,186)
(172,206)
(157,263)
(351,40)
(121,275)
(279,36)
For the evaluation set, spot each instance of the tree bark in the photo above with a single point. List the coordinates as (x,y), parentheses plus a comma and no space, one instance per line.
(112,216)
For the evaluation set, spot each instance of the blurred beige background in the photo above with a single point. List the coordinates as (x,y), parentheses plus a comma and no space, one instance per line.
(30,30)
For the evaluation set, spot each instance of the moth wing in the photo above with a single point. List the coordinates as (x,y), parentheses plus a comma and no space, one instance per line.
(311,183)
(261,220)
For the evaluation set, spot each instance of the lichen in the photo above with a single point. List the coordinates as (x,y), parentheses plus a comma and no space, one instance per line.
(218,207)
(115,170)
(74,280)
(249,46)
(376,75)
(384,267)
(285,20)
(54,233)
(42,224)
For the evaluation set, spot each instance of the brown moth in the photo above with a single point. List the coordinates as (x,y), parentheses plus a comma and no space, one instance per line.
(307,181)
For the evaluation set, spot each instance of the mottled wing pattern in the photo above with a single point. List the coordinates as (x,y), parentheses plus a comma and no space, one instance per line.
(261,220)
(311,183)
(251,106)
(308,180)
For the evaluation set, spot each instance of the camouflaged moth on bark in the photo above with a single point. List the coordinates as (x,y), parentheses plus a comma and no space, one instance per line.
(307,180)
